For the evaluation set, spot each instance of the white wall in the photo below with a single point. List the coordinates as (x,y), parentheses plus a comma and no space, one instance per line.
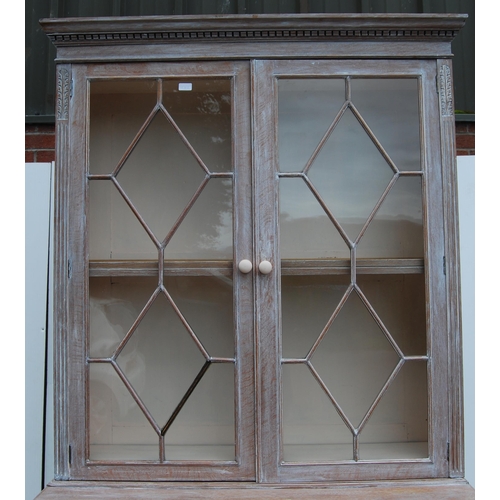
(466,185)
(38,183)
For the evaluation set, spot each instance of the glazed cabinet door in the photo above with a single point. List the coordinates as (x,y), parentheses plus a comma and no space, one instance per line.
(351,324)
(161,367)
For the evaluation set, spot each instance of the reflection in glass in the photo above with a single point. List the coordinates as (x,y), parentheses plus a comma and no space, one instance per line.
(350,174)
(390,108)
(307,303)
(204,116)
(114,230)
(207,304)
(118,430)
(306,232)
(399,301)
(162,173)
(207,230)
(312,428)
(159,344)
(355,359)
(118,109)
(306,108)
(161,360)
(204,429)
(160,176)
(398,427)
(396,231)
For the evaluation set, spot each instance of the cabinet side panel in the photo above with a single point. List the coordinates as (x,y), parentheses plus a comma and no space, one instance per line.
(77,270)
(61,271)
(435,278)
(448,153)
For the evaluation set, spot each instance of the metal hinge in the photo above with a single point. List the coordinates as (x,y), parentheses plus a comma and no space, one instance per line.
(70,269)
(69,454)
(71,88)
(448,452)
(437,84)
(444,265)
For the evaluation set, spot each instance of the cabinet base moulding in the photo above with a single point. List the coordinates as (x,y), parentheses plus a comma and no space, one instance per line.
(446,489)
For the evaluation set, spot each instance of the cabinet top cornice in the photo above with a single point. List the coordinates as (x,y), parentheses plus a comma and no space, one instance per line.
(262,27)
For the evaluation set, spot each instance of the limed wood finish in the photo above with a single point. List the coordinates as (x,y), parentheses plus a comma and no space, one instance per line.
(254,51)
(422,490)
(76,347)
(268,288)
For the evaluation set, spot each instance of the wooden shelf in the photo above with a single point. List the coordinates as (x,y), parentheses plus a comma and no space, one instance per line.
(343,266)
(138,268)
(150,268)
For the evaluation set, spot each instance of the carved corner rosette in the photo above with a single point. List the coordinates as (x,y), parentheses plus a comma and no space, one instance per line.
(446,91)
(63,94)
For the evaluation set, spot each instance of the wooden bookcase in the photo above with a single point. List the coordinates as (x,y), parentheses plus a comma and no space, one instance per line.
(256,285)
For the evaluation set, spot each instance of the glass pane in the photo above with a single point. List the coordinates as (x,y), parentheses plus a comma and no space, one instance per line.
(390,108)
(110,318)
(203,113)
(114,230)
(307,303)
(306,108)
(207,304)
(160,176)
(118,430)
(398,428)
(204,429)
(399,301)
(350,174)
(354,359)
(207,230)
(306,232)
(162,347)
(312,428)
(118,109)
(162,360)
(397,229)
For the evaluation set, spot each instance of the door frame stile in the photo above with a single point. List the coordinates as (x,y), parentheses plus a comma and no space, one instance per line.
(243,468)
(275,471)
(267,335)
(243,247)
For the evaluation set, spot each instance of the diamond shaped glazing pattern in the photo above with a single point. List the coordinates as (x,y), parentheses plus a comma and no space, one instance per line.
(351,187)
(158,180)
(354,357)
(160,176)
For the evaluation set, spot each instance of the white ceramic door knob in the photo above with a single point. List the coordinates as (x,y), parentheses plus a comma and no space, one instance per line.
(245,266)
(265,267)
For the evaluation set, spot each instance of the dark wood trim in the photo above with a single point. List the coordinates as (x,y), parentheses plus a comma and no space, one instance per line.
(257,36)
(264,27)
